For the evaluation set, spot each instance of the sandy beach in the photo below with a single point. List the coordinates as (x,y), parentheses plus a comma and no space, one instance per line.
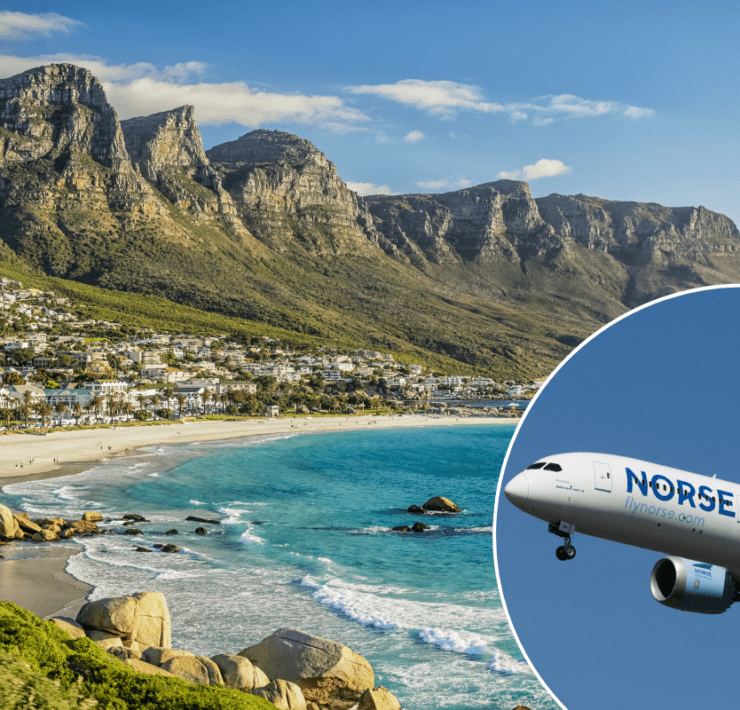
(39,583)
(29,456)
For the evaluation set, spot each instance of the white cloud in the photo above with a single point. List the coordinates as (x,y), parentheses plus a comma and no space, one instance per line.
(542,168)
(20,25)
(444,98)
(369,188)
(444,184)
(141,89)
(546,109)
(636,112)
(441,98)
(414,137)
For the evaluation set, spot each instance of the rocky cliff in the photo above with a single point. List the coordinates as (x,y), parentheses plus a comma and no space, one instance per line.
(263,227)
(288,192)
(601,254)
(51,110)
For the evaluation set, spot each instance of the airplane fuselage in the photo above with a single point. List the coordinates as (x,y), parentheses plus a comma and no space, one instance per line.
(637,503)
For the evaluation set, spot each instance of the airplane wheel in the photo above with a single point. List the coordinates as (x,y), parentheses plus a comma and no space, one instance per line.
(569,552)
(560,554)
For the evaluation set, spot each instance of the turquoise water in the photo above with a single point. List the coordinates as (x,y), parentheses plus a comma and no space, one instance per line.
(305,542)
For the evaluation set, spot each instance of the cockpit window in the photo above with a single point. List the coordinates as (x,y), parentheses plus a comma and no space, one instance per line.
(539,464)
(553,467)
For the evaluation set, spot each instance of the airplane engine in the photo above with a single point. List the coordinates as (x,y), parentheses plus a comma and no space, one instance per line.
(692,586)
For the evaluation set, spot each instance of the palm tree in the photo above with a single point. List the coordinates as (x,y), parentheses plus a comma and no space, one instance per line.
(77,411)
(207,397)
(6,413)
(26,407)
(97,402)
(60,408)
(89,407)
(43,410)
(181,401)
(169,393)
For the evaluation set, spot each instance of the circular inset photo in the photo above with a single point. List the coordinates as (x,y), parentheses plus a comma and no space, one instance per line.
(617,524)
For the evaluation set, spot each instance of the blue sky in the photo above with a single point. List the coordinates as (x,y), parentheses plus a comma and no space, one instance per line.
(626,101)
(661,385)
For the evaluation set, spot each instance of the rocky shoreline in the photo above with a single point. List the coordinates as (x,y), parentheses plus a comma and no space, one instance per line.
(292,669)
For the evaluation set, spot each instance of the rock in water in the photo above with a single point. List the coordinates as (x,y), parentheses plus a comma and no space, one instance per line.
(325,670)
(440,504)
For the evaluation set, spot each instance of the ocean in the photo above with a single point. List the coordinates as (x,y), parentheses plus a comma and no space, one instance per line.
(305,541)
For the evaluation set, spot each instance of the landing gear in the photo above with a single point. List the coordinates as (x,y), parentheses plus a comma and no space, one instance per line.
(565,552)
(564,530)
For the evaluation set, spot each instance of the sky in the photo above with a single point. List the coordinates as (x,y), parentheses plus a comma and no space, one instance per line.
(660,385)
(625,101)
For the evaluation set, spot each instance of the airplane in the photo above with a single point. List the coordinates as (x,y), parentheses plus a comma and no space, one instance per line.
(692,519)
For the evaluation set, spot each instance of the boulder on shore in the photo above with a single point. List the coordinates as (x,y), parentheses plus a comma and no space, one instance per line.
(156,655)
(25,523)
(8,525)
(70,626)
(196,669)
(419,527)
(283,694)
(326,671)
(142,617)
(379,698)
(239,672)
(144,667)
(441,504)
(105,640)
(92,516)
(45,535)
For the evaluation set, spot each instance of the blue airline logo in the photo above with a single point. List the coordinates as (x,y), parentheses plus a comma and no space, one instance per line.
(664,490)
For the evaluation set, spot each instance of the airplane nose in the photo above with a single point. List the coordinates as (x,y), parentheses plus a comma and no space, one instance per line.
(517,490)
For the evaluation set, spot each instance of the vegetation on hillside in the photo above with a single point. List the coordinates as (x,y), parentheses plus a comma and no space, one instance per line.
(520,356)
(42,668)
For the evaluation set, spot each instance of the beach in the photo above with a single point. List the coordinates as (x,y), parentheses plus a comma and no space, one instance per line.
(33,575)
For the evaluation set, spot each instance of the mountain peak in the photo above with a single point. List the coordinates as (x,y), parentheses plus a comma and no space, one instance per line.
(165,140)
(263,146)
(29,104)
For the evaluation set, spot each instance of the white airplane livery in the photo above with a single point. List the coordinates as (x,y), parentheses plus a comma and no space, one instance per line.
(693,519)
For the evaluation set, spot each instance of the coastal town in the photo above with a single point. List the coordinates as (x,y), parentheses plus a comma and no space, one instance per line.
(61,369)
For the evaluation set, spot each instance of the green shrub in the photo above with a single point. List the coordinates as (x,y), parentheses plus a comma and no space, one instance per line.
(65,670)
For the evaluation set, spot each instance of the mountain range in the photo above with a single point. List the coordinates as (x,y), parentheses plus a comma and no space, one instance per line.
(263,228)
